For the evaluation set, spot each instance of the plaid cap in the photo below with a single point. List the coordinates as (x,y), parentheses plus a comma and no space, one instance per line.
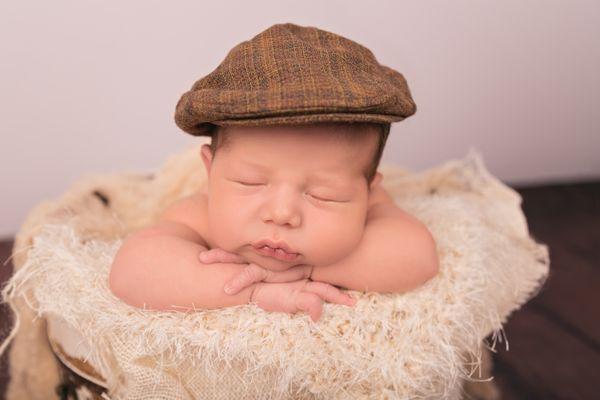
(291,74)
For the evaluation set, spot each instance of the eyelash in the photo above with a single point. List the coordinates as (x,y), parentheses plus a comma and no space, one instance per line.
(316,198)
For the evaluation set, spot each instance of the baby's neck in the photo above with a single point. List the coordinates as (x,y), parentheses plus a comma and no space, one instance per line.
(204,187)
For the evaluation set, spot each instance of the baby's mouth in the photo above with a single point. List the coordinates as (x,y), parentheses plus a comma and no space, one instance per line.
(279,254)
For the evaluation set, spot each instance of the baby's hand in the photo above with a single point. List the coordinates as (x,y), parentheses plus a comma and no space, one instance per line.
(252,273)
(302,295)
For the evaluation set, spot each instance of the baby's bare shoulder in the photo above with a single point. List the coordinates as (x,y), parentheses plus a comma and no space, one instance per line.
(187,208)
(382,204)
(190,211)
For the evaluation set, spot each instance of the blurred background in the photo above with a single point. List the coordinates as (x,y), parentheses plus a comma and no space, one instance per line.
(90,87)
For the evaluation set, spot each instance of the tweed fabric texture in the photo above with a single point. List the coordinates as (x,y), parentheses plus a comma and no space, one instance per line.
(291,74)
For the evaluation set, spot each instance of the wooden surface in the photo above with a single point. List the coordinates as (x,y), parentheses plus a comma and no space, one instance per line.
(5,316)
(554,340)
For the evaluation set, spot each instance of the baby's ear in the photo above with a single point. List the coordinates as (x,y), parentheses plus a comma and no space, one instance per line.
(376,180)
(206,156)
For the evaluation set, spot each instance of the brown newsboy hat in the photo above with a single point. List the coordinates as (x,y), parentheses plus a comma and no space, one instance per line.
(290,74)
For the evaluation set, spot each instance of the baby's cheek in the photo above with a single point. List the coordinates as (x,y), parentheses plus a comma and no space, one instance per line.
(332,245)
(222,227)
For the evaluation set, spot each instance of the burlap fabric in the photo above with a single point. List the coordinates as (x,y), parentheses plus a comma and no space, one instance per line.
(420,344)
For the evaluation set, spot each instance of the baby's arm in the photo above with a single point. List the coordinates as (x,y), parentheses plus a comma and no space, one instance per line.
(397,253)
(158,268)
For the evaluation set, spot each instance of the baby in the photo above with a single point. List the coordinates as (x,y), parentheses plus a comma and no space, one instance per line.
(293,208)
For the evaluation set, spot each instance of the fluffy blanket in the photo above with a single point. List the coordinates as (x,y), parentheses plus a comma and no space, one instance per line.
(420,344)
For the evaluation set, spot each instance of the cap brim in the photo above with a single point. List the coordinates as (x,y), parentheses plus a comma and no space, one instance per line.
(206,129)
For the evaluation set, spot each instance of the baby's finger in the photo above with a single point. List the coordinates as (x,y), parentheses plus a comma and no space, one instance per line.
(329,293)
(311,304)
(218,255)
(250,274)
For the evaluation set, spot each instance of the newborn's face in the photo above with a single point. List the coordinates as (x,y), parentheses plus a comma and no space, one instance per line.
(298,185)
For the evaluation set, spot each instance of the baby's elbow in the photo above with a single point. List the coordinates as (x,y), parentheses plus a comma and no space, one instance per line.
(125,289)
(124,276)
(424,273)
(431,270)
(426,264)
(432,264)
(117,279)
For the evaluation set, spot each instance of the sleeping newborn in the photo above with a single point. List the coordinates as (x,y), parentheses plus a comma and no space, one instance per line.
(288,216)
(301,190)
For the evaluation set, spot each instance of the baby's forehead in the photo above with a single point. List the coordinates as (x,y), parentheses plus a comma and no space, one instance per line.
(335,174)
(314,145)
(291,139)
(330,156)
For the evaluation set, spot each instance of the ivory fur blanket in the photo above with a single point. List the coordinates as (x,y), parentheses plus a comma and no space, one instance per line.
(422,344)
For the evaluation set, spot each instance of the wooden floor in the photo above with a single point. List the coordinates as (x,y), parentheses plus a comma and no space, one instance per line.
(554,340)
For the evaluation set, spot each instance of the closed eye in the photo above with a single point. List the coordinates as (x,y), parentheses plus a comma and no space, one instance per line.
(325,200)
(313,196)
(249,184)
